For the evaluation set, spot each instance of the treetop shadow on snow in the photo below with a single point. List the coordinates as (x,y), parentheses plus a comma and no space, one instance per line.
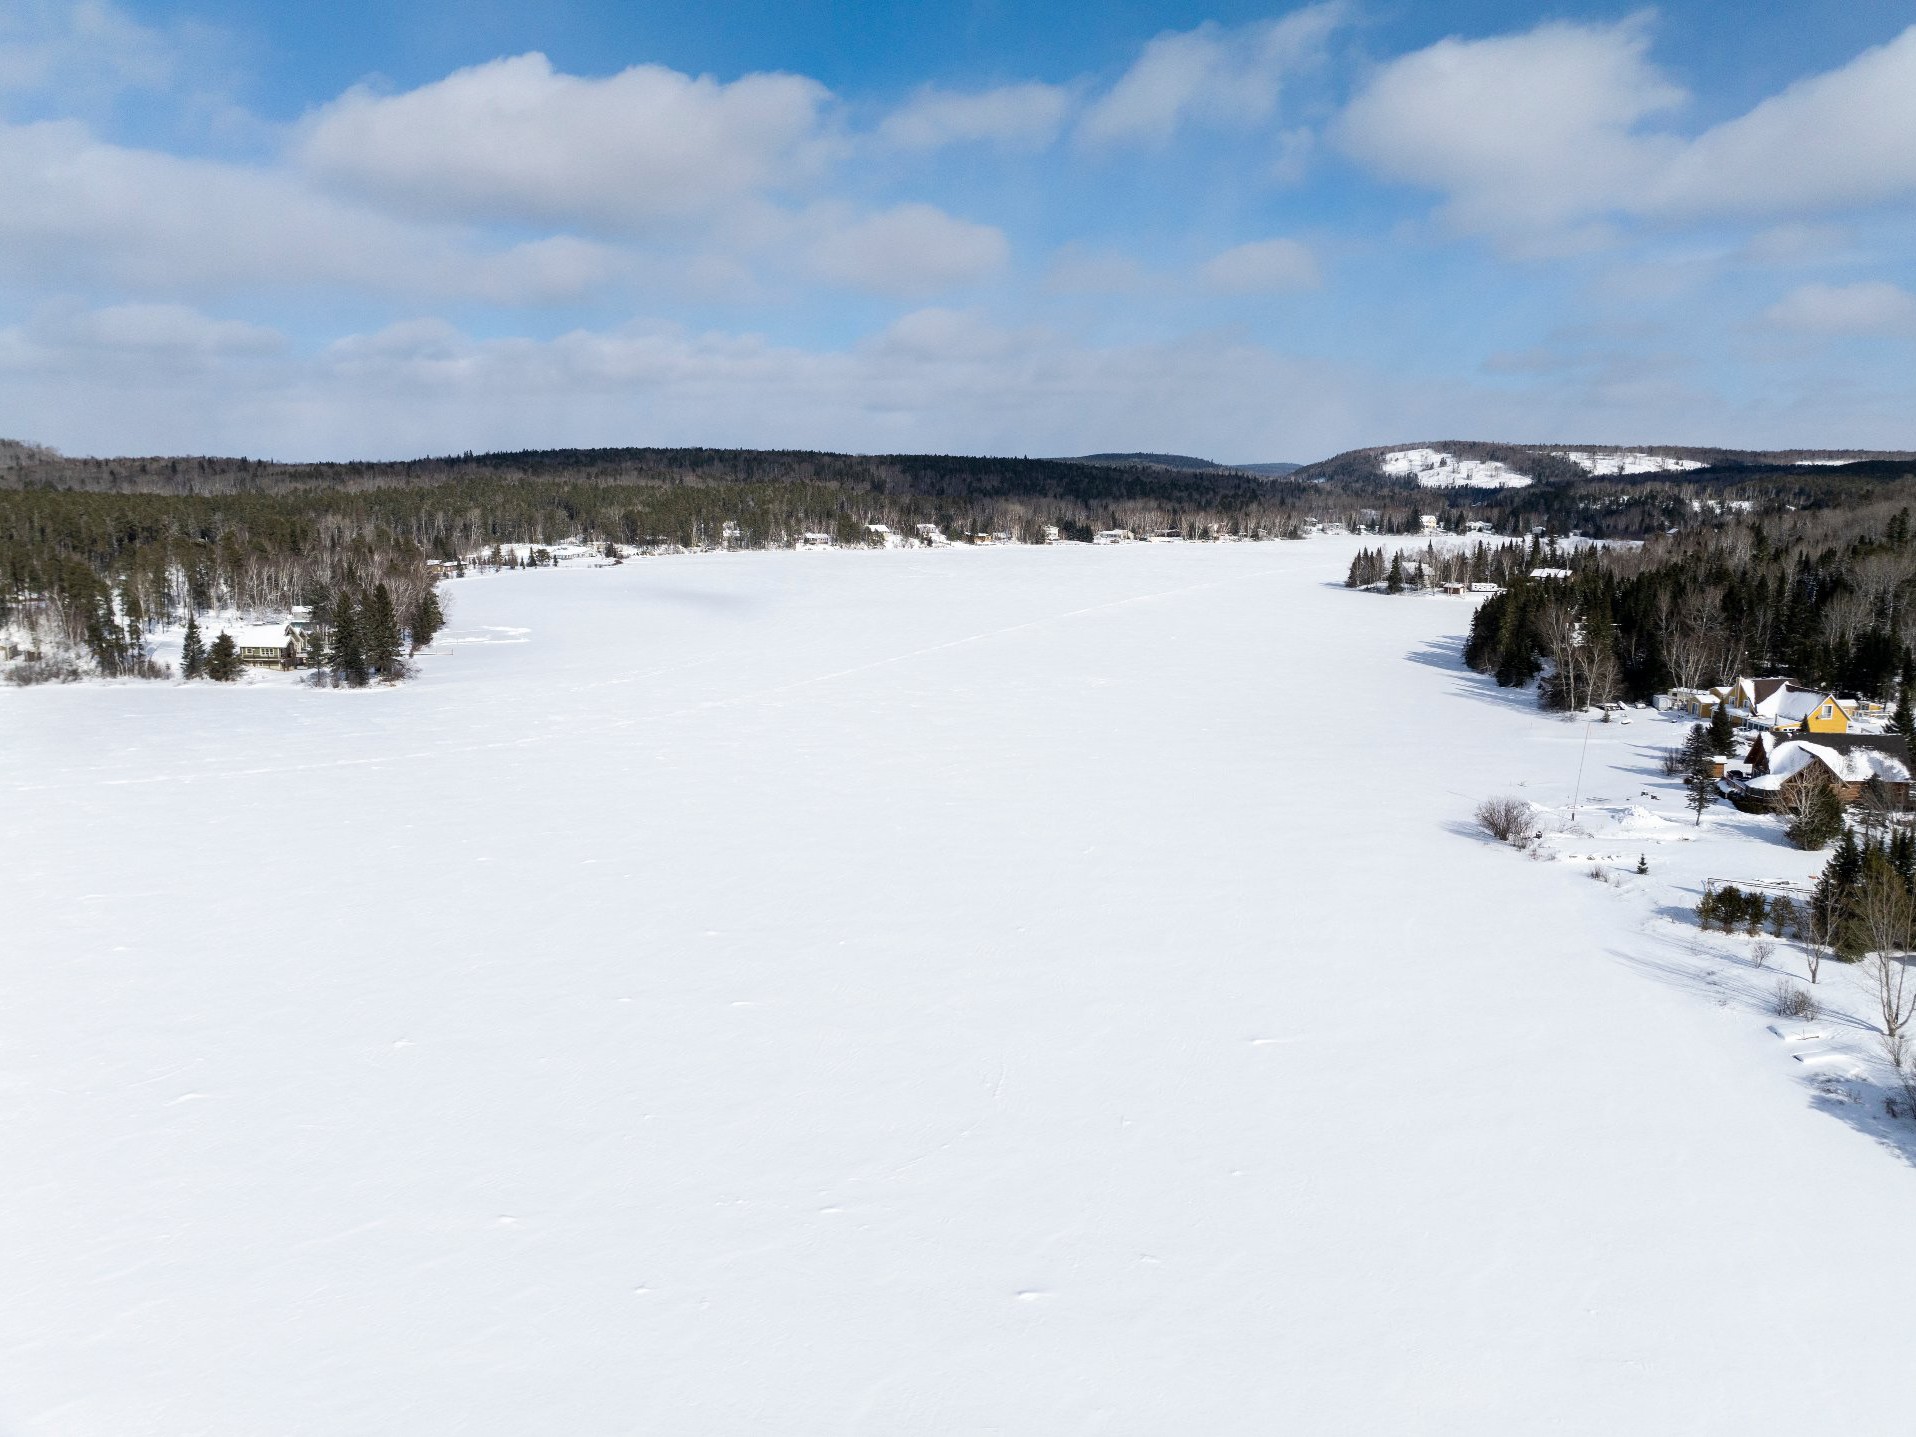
(1860,1102)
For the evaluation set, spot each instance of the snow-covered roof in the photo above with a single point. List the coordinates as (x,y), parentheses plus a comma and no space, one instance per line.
(1549,573)
(1794,705)
(261,636)
(1855,765)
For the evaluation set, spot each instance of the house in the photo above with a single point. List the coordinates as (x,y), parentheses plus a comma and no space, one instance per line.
(931,534)
(1112,536)
(1427,523)
(1846,762)
(1783,705)
(271,646)
(1480,587)
(1477,526)
(1778,703)
(1549,573)
(885,537)
(809,540)
(1699,703)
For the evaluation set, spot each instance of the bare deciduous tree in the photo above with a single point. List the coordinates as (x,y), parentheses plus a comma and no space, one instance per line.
(1504,819)
(1885,917)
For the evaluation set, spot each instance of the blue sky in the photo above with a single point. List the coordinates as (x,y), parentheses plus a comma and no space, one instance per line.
(1251,233)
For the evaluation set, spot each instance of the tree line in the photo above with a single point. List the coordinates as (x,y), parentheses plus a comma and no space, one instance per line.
(1827,598)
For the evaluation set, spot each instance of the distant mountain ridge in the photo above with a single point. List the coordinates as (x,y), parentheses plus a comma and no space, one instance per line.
(1187,462)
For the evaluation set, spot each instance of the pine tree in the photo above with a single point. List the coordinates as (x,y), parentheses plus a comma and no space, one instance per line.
(1699,777)
(1904,721)
(1394,581)
(347,657)
(427,619)
(1722,732)
(223,660)
(192,650)
(382,634)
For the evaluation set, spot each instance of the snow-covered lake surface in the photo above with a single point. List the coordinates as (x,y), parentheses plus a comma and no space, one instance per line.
(1020,990)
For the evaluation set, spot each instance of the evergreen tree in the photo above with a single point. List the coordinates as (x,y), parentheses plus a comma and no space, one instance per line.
(382,634)
(223,660)
(192,650)
(347,656)
(1904,721)
(427,619)
(1722,732)
(1699,777)
(1394,581)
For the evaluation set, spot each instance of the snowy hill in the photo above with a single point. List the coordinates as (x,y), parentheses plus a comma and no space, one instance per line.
(1436,469)
(903,992)
(1497,465)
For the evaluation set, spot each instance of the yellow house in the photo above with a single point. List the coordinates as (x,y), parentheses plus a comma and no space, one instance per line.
(1812,712)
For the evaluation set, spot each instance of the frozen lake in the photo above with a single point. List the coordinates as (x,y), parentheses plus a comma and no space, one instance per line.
(1029,991)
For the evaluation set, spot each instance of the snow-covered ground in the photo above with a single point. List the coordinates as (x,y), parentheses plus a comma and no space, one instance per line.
(1614,462)
(1434,469)
(1020,990)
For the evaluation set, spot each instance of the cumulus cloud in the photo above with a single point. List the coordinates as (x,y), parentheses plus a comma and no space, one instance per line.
(913,249)
(81,210)
(1520,132)
(1525,134)
(513,140)
(1026,116)
(88,47)
(1868,307)
(1272,266)
(1209,75)
(1838,140)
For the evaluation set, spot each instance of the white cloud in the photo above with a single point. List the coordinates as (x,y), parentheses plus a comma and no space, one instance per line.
(1209,75)
(1838,140)
(152,329)
(1869,307)
(1272,266)
(1547,132)
(515,141)
(1026,116)
(913,249)
(80,210)
(935,381)
(1522,132)
(88,47)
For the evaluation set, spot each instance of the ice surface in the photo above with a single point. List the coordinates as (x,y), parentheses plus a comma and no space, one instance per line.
(1022,990)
